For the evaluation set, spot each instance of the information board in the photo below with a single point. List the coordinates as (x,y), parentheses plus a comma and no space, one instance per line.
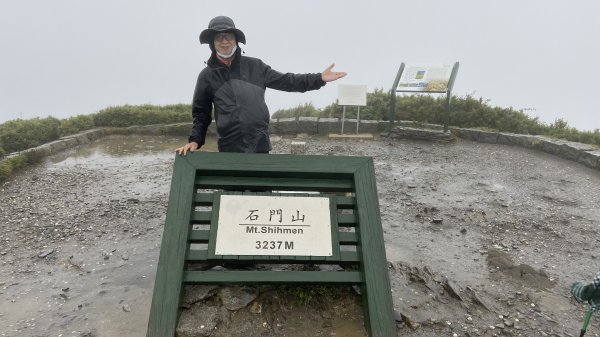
(273,225)
(351,94)
(425,78)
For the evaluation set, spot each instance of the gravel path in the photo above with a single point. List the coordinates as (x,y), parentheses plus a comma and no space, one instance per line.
(482,239)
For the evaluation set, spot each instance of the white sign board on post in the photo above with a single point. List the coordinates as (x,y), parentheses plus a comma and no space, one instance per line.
(351,94)
(273,225)
(425,78)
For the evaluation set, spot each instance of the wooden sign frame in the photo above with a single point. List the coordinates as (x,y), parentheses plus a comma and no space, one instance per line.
(197,180)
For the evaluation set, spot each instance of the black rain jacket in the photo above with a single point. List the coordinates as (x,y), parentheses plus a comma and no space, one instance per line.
(237,93)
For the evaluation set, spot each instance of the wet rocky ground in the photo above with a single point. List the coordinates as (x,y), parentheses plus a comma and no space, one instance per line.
(481,239)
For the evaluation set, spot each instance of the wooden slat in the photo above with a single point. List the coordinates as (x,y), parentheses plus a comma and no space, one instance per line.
(272,277)
(345,202)
(345,256)
(197,255)
(199,235)
(279,165)
(349,256)
(346,220)
(203,199)
(266,183)
(201,217)
(348,238)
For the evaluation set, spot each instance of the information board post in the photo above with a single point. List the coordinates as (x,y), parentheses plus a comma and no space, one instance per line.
(449,96)
(392,110)
(352,95)
(424,78)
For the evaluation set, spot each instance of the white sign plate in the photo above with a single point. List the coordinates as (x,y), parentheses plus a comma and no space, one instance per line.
(425,77)
(273,225)
(355,95)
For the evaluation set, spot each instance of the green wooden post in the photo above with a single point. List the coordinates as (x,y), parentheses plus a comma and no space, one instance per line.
(169,276)
(376,289)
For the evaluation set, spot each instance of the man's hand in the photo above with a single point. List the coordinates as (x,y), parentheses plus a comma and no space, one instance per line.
(327,75)
(191,147)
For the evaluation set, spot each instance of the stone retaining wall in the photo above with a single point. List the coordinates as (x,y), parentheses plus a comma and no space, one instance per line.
(582,153)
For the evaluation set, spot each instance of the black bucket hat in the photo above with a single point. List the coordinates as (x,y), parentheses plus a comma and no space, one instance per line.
(221,24)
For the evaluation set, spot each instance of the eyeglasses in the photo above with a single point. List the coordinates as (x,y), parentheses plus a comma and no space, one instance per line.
(224,36)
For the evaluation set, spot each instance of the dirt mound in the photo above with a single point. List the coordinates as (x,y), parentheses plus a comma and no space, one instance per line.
(527,275)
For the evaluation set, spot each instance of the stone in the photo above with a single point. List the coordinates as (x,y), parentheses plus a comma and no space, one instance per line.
(46,253)
(298,148)
(308,125)
(512,139)
(81,138)
(452,289)
(349,125)
(69,141)
(57,146)
(384,126)
(552,146)
(235,298)
(573,150)
(287,126)
(368,126)
(326,126)
(469,134)
(40,151)
(200,320)
(410,322)
(256,308)
(487,137)
(198,292)
(590,158)
(477,299)
(401,132)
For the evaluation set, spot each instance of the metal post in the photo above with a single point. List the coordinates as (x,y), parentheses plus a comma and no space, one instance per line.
(447,111)
(357,119)
(449,96)
(392,109)
(343,118)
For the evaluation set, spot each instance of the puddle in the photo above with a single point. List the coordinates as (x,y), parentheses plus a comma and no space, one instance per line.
(116,150)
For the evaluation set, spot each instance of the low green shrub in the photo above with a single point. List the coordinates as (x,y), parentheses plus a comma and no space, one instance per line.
(466,112)
(10,165)
(128,115)
(18,135)
(302,110)
(75,125)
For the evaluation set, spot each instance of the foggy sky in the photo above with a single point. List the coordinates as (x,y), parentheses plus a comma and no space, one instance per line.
(70,57)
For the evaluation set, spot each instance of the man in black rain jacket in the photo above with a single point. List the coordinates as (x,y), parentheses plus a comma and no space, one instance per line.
(235,85)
